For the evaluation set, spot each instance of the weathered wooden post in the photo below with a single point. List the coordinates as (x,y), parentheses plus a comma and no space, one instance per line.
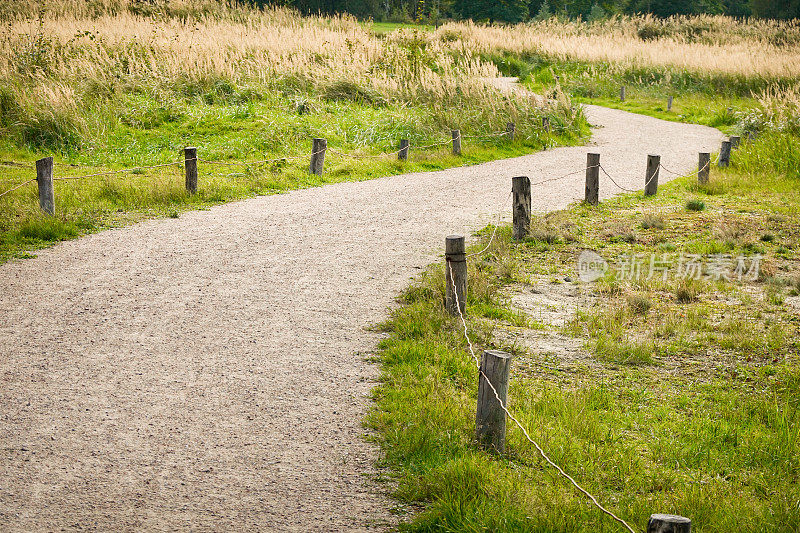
(521,189)
(546,124)
(511,129)
(669,103)
(402,155)
(725,154)
(703,168)
(455,275)
(592,179)
(668,523)
(318,156)
(456,134)
(44,177)
(651,178)
(490,418)
(190,166)
(735,142)
(622,93)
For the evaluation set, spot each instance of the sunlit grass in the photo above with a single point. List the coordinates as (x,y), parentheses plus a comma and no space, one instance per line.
(688,403)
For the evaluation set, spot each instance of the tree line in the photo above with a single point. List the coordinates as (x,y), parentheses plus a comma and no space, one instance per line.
(523,10)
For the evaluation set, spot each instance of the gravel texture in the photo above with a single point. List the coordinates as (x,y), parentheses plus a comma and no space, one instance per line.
(208,372)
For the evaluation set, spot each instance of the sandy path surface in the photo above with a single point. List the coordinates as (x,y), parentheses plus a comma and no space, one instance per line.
(207,372)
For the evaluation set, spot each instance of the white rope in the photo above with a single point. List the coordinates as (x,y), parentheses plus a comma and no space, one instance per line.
(517,422)
(124,170)
(14,188)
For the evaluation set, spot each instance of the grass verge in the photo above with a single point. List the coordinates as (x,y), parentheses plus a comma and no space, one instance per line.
(235,127)
(658,394)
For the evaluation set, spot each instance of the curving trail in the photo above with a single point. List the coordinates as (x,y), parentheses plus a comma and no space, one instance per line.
(208,373)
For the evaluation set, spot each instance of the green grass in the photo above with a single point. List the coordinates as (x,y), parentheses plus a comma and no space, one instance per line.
(719,101)
(687,401)
(229,124)
(382,28)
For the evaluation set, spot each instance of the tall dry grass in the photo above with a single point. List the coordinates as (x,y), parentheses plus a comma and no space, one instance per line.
(60,59)
(274,45)
(703,44)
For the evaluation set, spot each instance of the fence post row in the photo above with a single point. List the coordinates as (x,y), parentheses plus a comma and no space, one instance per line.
(455,275)
(668,523)
(490,418)
(318,149)
(651,178)
(402,155)
(190,164)
(725,154)
(703,168)
(511,129)
(592,179)
(456,134)
(521,191)
(44,178)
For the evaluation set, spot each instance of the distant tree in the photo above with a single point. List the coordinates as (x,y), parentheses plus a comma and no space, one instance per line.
(787,9)
(499,10)
(544,12)
(597,13)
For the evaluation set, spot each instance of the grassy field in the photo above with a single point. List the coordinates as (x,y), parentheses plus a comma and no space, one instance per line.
(115,85)
(659,394)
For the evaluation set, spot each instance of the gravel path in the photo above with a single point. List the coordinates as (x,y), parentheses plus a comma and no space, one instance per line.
(208,372)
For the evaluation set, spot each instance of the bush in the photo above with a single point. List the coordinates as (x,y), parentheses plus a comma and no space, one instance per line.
(509,65)
(695,205)
(350,91)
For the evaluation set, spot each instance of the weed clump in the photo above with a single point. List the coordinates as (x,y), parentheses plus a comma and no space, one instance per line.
(652,222)
(695,205)
(687,291)
(638,304)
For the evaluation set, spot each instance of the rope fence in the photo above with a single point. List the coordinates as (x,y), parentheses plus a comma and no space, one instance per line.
(494,368)
(190,161)
(503,405)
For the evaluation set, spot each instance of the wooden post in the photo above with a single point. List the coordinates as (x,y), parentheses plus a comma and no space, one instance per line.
(44,177)
(490,418)
(456,141)
(592,179)
(725,154)
(622,93)
(546,124)
(190,165)
(402,155)
(651,178)
(668,523)
(735,142)
(318,156)
(703,168)
(669,103)
(521,189)
(455,274)
(511,129)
